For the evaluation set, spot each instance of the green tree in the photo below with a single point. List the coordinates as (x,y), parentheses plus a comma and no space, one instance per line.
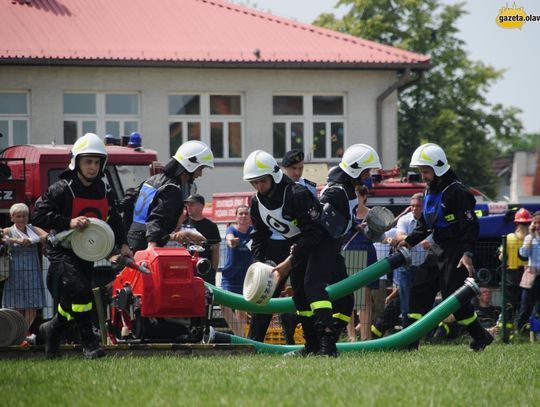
(448,106)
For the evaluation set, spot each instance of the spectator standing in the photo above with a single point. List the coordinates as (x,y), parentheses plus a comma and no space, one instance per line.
(359,253)
(24,289)
(80,194)
(530,249)
(277,250)
(158,203)
(196,220)
(237,260)
(405,226)
(515,265)
(448,213)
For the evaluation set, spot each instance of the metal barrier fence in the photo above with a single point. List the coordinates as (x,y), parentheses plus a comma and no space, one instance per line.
(369,302)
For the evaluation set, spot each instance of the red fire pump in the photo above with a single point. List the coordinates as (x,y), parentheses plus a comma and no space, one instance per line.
(159,297)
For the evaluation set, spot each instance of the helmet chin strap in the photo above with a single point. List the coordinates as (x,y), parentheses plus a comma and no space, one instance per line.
(271,190)
(186,186)
(90,180)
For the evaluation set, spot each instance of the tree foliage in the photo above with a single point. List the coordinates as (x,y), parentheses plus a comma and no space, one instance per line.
(448,106)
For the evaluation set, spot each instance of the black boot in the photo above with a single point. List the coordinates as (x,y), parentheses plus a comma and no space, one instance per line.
(481,337)
(310,335)
(90,343)
(50,332)
(327,344)
(310,348)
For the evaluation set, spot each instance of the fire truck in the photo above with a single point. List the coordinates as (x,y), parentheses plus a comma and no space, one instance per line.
(26,171)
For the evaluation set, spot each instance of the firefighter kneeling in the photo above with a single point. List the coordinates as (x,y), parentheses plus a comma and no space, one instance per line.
(80,194)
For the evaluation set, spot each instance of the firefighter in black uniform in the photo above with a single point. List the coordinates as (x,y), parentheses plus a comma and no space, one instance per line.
(277,250)
(340,194)
(68,203)
(289,208)
(449,213)
(158,203)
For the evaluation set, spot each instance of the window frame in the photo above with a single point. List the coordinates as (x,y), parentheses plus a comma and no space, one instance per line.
(10,118)
(205,120)
(309,119)
(101,117)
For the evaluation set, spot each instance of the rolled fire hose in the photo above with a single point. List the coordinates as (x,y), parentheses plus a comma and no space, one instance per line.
(399,340)
(335,291)
(93,243)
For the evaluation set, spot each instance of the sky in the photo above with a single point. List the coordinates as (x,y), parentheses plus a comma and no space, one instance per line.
(515,50)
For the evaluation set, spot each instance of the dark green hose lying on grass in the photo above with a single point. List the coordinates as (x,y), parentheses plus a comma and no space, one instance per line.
(396,341)
(335,291)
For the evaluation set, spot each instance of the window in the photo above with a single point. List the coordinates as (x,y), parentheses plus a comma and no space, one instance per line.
(13,118)
(117,114)
(215,119)
(312,123)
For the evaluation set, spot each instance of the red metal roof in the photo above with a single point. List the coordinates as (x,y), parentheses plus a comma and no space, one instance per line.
(179,33)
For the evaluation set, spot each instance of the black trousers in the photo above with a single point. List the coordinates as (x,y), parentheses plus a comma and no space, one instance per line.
(439,272)
(137,239)
(277,251)
(309,279)
(513,292)
(69,282)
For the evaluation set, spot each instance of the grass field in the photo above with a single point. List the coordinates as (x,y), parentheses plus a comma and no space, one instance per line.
(436,375)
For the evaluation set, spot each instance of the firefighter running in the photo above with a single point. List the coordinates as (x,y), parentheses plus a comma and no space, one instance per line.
(448,212)
(289,208)
(80,194)
(158,203)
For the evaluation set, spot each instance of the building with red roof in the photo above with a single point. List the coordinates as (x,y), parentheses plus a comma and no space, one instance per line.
(174,70)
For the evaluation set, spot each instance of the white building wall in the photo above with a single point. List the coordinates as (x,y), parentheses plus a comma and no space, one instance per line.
(361,88)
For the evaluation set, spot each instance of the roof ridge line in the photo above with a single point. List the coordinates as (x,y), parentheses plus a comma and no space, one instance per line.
(389,49)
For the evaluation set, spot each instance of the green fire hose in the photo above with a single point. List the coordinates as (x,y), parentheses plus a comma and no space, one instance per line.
(335,291)
(396,341)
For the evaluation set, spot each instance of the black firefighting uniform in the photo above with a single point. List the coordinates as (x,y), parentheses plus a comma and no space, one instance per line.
(277,250)
(291,210)
(341,195)
(157,206)
(69,277)
(449,213)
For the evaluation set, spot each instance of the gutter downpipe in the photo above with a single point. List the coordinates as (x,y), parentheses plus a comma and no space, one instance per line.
(402,83)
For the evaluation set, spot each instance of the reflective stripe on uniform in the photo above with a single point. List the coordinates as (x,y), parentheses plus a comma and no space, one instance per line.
(320,304)
(450,217)
(468,321)
(341,316)
(305,313)
(375,331)
(446,327)
(81,307)
(65,314)
(414,316)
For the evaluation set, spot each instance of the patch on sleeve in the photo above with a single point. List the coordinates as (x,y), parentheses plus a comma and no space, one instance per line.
(314,212)
(469,215)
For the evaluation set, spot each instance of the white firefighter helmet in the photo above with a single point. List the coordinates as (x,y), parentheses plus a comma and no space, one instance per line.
(194,154)
(89,144)
(430,155)
(359,157)
(259,163)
